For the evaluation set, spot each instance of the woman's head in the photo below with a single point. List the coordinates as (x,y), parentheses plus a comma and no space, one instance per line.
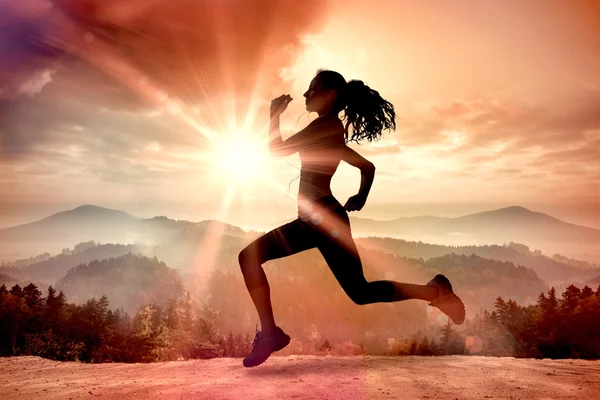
(325,94)
(364,109)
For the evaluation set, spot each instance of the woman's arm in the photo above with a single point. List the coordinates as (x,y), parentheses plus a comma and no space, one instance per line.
(305,139)
(367,172)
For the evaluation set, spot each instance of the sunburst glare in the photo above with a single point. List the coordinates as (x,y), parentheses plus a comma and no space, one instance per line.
(239,158)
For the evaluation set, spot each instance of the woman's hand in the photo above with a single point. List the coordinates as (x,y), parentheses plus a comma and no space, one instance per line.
(279,104)
(355,203)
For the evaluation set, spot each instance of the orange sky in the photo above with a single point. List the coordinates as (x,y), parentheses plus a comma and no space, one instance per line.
(123,106)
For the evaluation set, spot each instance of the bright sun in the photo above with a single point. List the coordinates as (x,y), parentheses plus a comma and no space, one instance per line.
(239,158)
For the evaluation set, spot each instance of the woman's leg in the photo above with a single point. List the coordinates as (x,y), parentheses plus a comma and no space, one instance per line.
(286,240)
(340,253)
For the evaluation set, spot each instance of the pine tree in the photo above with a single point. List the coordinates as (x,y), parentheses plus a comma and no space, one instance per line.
(570,297)
(326,346)
(16,291)
(223,345)
(413,347)
(552,301)
(230,349)
(51,298)
(239,345)
(423,349)
(61,300)
(446,340)
(32,296)
(542,301)
(246,344)
(586,292)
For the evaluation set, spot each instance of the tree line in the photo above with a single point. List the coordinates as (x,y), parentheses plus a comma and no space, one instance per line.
(556,327)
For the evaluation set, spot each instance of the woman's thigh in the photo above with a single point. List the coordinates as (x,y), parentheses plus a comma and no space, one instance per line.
(340,252)
(291,238)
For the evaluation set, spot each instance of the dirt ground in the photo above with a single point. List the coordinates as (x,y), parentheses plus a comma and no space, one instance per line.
(305,377)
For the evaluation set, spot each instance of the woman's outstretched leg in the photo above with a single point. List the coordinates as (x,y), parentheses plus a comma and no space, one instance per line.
(407,291)
(343,259)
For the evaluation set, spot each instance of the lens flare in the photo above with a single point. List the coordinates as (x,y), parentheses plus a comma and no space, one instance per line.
(239,158)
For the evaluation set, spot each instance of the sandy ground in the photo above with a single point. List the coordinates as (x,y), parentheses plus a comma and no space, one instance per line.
(305,377)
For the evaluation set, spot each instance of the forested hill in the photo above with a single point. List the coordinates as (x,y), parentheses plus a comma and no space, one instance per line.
(129,282)
(553,270)
(54,268)
(479,281)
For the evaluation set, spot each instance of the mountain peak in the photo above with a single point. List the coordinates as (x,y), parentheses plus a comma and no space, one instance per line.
(90,211)
(515,209)
(90,207)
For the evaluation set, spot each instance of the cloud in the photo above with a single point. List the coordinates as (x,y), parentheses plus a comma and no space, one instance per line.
(486,122)
(123,55)
(35,85)
(540,149)
(190,48)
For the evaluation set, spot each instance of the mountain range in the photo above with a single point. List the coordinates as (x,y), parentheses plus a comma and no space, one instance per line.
(510,224)
(92,223)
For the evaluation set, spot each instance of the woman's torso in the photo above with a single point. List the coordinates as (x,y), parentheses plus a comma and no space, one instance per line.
(321,160)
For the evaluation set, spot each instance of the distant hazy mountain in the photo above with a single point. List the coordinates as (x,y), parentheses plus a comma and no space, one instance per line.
(553,270)
(510,224)
(92,223)
(195,245)
(595,281)
(129,281)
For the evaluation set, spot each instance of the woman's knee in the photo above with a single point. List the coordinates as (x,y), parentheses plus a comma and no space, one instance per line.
(370,292)
(250,257)
(244,258)
(359,298)
(357,293)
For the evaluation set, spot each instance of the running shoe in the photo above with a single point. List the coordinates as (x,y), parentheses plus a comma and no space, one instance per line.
(263,346)
(448,302)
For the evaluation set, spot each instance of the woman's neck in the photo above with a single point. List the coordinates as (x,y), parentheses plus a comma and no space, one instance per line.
(329,113)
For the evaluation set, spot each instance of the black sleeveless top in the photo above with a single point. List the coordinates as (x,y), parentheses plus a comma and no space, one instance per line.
(320,156)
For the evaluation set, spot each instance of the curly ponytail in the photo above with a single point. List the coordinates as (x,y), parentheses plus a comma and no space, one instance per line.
(364,109)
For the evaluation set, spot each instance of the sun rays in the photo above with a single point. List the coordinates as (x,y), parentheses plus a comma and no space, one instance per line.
(225,128)
(239,158)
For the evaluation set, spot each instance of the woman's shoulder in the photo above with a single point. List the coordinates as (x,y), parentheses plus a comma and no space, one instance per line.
(330,130)
(328,122)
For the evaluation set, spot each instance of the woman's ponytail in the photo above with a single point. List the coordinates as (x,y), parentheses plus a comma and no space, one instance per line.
(367,112)
(364,109)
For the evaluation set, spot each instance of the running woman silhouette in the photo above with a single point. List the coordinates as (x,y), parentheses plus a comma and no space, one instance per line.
(322,221)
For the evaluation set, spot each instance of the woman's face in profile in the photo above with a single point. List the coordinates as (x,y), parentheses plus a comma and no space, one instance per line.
(317,98)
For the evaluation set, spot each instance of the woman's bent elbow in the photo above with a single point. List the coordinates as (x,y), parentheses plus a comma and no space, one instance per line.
(369,169)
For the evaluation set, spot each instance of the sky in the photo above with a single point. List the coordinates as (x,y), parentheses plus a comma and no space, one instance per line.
(161,107)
